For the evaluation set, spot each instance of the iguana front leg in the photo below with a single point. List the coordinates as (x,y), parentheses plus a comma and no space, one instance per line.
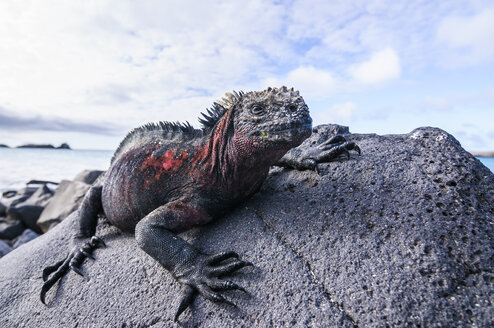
(82,244)
(199,272)
(308,157)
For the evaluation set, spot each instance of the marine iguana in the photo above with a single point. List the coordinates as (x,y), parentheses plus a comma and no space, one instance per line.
(165,178)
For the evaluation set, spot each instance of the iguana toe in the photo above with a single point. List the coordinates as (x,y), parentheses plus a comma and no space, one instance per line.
(73,261)
(218,284)
(228,268)
(211,295)
(216,258)
(189,296)
(50,269)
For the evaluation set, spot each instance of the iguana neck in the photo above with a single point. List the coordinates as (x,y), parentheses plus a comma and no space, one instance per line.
(233,159)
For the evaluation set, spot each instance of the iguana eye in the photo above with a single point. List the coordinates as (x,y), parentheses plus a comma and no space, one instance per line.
(292,108)
(257,110)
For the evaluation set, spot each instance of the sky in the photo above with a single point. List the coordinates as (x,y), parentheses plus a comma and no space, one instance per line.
(86,72)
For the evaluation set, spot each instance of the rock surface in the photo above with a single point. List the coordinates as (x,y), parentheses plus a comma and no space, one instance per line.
(402,236)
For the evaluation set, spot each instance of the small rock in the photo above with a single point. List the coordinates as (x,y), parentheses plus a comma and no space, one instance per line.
(3,209)
(4,248)
(10,229)
(25,237)
(40,197)
(67,198)
(14,197)
(88,176)
(28,214)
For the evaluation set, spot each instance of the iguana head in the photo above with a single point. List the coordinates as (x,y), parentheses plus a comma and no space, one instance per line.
(275,116)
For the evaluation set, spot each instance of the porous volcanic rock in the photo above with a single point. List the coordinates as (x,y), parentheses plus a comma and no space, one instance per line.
(401,236)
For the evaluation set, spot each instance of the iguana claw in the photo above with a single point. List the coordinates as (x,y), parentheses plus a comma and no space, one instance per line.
(202,277)
(73,261)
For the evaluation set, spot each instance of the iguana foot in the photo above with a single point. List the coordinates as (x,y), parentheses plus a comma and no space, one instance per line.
(326,152)
(72,261)
(202,276)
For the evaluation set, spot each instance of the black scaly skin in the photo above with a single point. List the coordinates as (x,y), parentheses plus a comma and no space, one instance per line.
(166,178)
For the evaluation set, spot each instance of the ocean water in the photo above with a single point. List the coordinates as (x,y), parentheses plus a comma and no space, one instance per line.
(18,166)
(488,161)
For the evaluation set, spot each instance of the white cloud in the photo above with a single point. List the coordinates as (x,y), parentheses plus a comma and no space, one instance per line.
(383,66)
(335,114)
(437,103)
(311,82)
(110,59)
(470,38)
(490,94)
(133,62)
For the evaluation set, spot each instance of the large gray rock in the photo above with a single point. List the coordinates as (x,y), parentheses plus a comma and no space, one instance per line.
(402,236)
(66,200)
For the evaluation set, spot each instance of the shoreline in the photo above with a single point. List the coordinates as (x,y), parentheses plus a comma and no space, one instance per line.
(482,153)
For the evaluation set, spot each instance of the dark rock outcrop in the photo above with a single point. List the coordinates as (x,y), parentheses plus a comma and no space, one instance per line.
(4,146)
(47,146)
(64,146)
(402,236)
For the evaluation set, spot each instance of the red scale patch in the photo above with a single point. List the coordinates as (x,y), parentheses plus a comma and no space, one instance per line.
(166,164)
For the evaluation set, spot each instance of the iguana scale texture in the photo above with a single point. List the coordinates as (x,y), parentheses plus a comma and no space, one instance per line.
(166,178)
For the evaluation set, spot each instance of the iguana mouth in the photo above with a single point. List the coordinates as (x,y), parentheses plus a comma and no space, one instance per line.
(285,130)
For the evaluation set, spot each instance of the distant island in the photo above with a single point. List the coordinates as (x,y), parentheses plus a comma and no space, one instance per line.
(62,146)
(482,153)
(4,146)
